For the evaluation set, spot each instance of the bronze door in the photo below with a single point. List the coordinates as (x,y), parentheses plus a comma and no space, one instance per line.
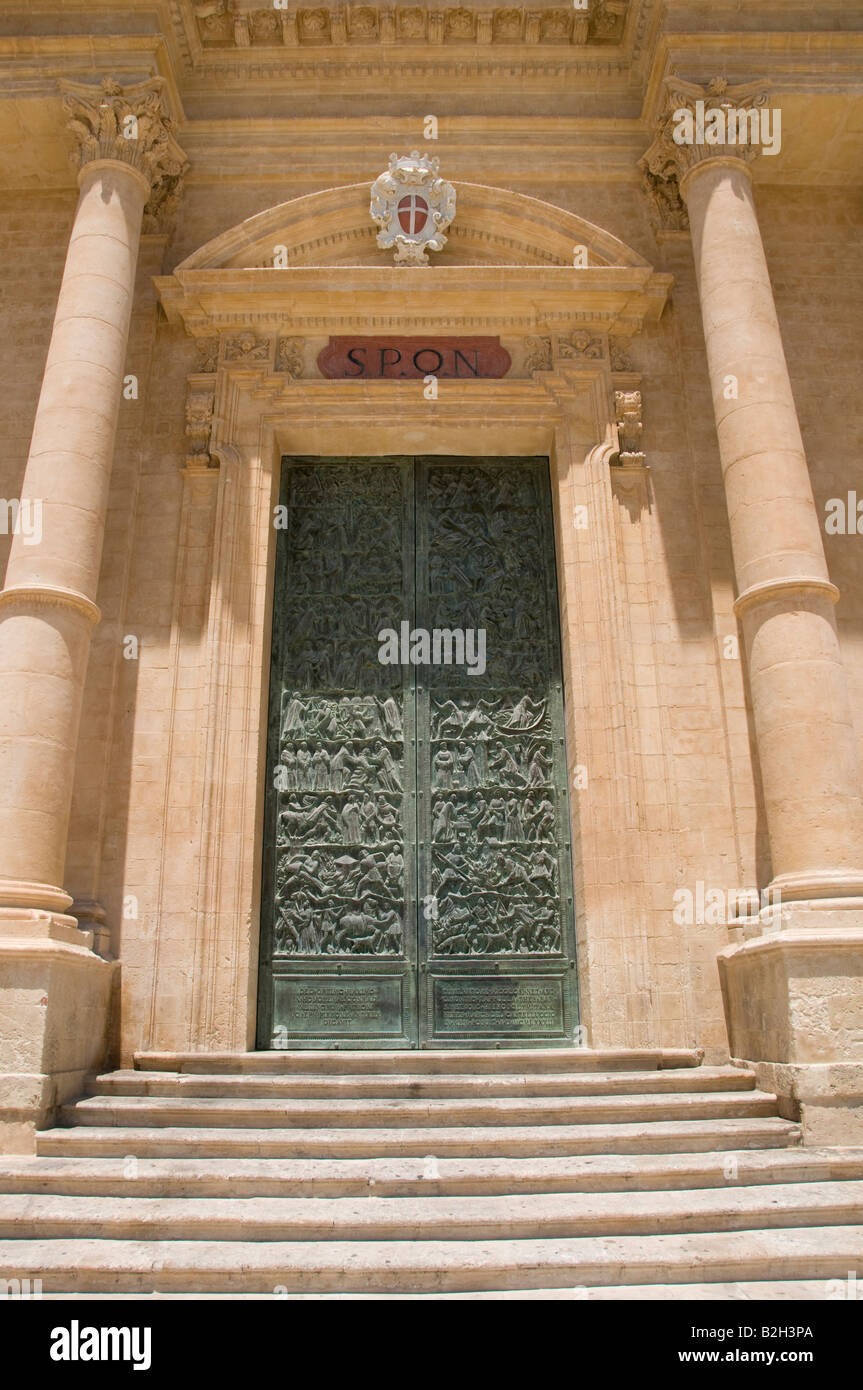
(417,883)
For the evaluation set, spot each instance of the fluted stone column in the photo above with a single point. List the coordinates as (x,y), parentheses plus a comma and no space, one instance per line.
(781,987)
(128,157)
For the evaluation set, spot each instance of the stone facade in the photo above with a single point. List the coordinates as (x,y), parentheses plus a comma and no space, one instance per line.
(710,619)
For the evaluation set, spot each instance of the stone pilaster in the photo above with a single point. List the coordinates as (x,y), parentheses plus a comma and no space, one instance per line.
(813,798)
(128,161)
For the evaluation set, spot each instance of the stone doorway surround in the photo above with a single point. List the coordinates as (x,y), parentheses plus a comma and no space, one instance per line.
(258,329)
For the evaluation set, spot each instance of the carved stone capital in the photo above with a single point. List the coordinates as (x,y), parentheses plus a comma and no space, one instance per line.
(700,124)
(130,125)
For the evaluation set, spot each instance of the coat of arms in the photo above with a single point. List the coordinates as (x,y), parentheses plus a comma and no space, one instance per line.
(412,207)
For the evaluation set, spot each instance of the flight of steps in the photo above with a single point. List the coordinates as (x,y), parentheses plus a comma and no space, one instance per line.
(556,1174)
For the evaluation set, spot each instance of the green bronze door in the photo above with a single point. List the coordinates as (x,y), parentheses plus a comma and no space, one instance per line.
(417,885)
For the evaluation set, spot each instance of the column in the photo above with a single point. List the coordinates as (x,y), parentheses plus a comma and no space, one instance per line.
(128,158)
(778,993)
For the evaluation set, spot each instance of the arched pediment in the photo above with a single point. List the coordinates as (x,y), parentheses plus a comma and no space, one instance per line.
(492,226)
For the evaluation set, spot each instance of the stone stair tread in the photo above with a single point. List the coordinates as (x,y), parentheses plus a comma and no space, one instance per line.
(449,1085)
(473,1060)
(528,1216)
(750,1290)
(809,1252)
(279,1177)
(676,1136)
(367,1113)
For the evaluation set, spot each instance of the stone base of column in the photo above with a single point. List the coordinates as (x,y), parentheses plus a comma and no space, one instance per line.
(55,1014)
(793,1000)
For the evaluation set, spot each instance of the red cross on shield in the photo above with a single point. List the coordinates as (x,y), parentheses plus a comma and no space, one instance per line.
(413,212)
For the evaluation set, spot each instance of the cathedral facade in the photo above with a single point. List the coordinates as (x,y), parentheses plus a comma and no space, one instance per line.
(433,600)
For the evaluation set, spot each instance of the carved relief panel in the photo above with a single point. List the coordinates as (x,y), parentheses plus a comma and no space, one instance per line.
(417,883)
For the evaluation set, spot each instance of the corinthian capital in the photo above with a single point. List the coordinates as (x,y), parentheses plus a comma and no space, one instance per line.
(131,125)
(716,121)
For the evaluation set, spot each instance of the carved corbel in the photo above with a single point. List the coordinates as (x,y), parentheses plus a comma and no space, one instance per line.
(627,419)
(200,399)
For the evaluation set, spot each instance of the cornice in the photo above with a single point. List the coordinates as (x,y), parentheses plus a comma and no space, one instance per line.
(488,299)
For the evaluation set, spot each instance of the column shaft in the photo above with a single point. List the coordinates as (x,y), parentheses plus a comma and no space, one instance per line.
(48,606)
(801,707)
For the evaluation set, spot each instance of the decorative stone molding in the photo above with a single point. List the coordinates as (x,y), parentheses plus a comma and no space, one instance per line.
(200,398)
(540,357)
(247,347)
(50,596)
(667,208)
(543,353)
(667,159)
(618,355)
(580,345)
(627,418)
(222,24)
(290,357)
(130,125)
(208,353)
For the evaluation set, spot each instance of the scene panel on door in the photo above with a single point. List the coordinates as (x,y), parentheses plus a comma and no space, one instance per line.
(339,877)
(497,947)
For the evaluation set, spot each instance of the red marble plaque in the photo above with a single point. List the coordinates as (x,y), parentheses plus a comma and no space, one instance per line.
(456,359)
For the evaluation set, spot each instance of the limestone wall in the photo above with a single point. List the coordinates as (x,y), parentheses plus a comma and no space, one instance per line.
(141,793)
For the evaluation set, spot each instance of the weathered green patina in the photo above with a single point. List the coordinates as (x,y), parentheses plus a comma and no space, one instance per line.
(417,884)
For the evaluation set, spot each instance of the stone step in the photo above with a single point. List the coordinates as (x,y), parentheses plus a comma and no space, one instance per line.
(524,1217)
(198,1176)
(761,1291)
(475,1061)
(309,1086)
(420,1266)
(683,1136)
(141,1111)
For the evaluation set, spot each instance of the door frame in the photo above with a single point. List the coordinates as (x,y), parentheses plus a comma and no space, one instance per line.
(259,414)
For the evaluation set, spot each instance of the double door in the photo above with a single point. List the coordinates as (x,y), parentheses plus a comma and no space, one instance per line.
(417,883)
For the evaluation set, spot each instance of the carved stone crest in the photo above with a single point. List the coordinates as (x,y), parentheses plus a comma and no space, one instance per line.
(413,207)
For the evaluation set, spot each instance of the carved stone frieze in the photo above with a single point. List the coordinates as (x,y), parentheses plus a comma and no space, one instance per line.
(581,344)
(619,356)
(247,347)
(130,125)
(543,352)
(222,25)
(667,209)
(539,356)
(290,357)
(208,353)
